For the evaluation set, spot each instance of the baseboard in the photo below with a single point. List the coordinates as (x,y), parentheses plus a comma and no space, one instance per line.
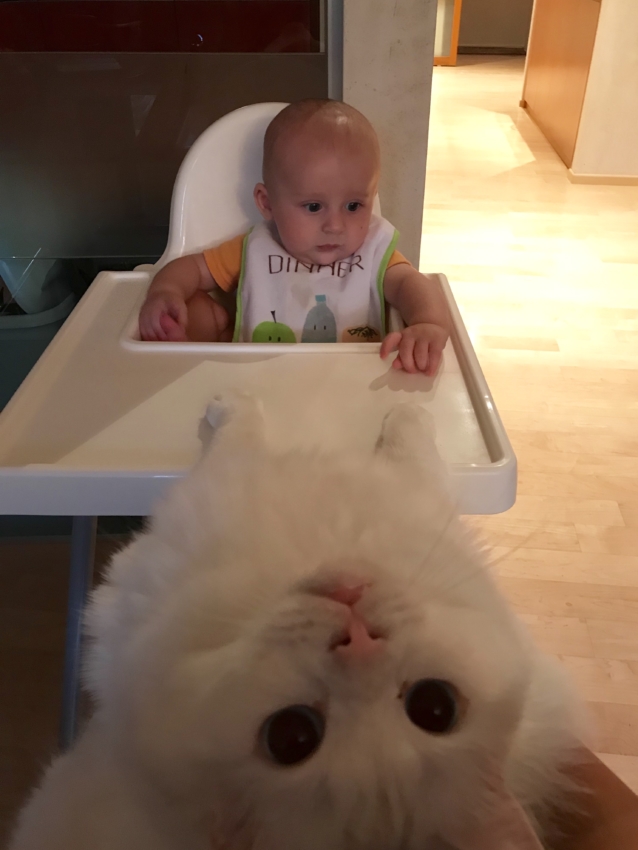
(492,51)
(603,179)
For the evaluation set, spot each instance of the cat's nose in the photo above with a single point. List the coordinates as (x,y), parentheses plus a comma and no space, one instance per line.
(357,641)
(347,595)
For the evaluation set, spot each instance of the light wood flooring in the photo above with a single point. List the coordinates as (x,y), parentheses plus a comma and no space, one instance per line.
(546,276)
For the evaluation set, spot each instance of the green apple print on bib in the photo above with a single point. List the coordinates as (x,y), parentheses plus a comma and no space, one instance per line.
(320,325)
(273,331)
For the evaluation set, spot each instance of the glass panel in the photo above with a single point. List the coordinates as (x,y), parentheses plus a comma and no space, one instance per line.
(191,26)
(91,143)
(99,102)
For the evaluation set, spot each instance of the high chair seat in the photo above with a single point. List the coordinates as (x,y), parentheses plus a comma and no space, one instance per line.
(213,194)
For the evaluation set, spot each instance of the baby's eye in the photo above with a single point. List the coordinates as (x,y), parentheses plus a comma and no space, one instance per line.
(291,735)
(353,206)
(433,705)
(313,207)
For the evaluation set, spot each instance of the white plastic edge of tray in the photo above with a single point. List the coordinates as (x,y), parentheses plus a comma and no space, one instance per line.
(47,490)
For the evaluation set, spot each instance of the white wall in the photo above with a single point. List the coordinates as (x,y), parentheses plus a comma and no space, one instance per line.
(444,24)
(387,74)
(495,23)
(608,133)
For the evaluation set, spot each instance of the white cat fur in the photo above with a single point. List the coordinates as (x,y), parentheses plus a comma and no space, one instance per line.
(205,626)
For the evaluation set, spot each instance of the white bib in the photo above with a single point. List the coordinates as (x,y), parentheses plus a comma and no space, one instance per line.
(280,299)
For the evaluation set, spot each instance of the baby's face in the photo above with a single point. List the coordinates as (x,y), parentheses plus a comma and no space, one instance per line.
(321,201)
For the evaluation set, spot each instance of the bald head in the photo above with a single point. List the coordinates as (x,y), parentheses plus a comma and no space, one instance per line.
(321,172)
(311,124)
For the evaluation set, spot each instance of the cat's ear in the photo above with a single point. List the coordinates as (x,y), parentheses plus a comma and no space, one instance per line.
(408,434)
(501,824)
(233,422)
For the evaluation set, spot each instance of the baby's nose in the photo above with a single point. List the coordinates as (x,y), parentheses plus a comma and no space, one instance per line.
(334,223)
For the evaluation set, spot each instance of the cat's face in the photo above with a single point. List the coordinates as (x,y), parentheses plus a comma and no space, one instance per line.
(340,703)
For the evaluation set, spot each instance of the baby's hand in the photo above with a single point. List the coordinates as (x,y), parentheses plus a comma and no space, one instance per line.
(163,318)
(420,348)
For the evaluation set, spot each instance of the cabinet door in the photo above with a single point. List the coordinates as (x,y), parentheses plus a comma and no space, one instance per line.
(559,55)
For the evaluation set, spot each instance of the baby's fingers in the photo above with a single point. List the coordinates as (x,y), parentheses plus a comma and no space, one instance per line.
(179,312)
(390,344)
(406,353)
(150,328)
(174,332)
(437,347)
(435,360)
(423,355)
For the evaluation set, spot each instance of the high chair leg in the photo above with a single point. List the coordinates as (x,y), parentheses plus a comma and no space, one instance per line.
(80,578)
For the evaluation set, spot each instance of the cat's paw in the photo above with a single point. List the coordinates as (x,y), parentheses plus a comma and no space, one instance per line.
(406,419)
(225,407)
(408,433)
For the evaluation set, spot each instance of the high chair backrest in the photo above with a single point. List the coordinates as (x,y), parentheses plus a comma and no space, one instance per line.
(213,194)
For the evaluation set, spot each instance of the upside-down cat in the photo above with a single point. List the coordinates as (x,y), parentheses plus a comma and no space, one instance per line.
(306,652)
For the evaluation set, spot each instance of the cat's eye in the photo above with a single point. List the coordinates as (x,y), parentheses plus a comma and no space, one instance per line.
(291,735)
(433,705)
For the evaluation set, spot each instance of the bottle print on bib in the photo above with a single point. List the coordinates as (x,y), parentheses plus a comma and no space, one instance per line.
(320,324)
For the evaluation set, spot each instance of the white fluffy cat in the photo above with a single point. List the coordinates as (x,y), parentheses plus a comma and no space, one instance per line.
(305,652)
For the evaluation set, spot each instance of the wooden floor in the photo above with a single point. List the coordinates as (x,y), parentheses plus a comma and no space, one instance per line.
(546,274)
(33,590)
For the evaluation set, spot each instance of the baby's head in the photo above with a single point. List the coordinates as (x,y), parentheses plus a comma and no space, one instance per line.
(321,171)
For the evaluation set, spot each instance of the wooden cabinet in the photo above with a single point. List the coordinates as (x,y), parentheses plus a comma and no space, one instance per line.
(559,56)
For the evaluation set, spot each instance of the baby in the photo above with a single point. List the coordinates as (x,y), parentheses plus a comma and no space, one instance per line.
(320,267)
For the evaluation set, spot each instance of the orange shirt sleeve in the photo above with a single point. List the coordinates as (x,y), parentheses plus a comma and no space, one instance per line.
(224,262)
(396,258)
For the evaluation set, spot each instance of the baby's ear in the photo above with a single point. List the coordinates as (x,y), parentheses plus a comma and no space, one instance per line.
(262,199)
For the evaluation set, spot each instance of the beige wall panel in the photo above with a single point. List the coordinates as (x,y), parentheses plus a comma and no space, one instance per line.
(388,55)
(608,137)
(495,23)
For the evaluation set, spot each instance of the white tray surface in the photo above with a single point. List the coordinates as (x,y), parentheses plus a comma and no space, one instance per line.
(100,402)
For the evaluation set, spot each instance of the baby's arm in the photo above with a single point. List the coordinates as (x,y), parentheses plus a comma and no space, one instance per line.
(164,313)
(421,303)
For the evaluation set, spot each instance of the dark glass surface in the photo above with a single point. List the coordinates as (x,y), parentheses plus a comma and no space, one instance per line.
(90,144)
(172,26)
(100,100)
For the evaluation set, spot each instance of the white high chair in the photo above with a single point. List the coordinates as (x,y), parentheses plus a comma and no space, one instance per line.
(213,194)
(105,422)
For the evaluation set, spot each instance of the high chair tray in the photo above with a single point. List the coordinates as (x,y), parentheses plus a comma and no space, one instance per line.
(104,422)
